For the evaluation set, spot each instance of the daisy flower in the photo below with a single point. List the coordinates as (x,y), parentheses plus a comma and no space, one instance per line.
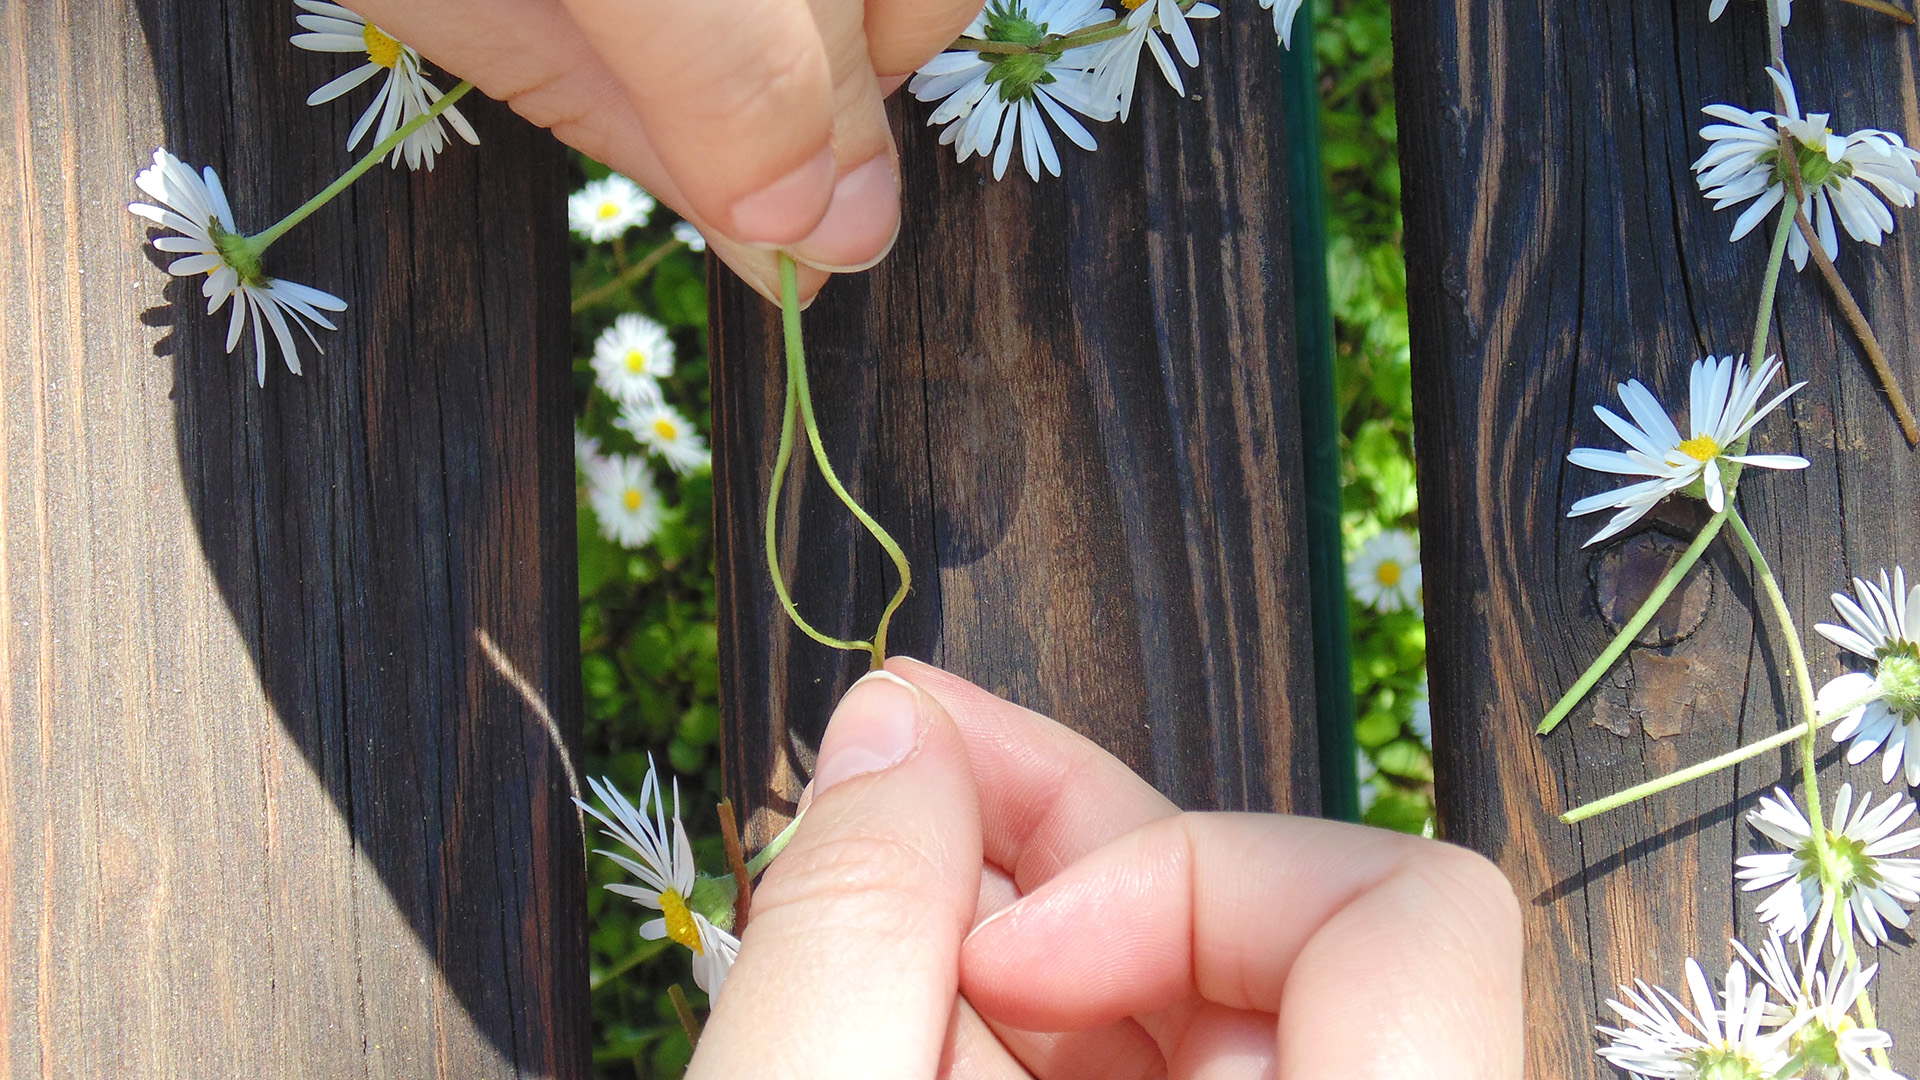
(196,207)
(666,872)
(1385,576)
(1745,160)
(1723,406)
(1869,885)
(620,489)
(684,232)
(665,432)
(1284,12)
(990,101)
(1663,1038)
(1815,1020)
(1884,627)
(1117,64)
(607,208)
(406,94)
(631,357)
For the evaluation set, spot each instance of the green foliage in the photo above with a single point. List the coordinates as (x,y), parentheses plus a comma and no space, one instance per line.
(1367,278)
(649,648)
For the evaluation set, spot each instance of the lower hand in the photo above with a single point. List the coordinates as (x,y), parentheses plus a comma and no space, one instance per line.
(978,892)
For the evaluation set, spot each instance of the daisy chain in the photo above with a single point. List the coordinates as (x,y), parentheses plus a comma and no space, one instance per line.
(1660,1037)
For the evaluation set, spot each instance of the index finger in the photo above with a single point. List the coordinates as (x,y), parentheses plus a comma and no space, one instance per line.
(1048,794)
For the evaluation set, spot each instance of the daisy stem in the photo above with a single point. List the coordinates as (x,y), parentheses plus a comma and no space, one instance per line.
(1857,321)
(683,1009)
(261,241)
(1802,675)
(1622,640)
(627,276)
(737,864)
(800,399)
(1864,1006)
(1770,284)
(1711,765)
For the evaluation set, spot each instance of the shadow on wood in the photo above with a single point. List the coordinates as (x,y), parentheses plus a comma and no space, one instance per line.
(291,673)
(1557,246)
(1074,403)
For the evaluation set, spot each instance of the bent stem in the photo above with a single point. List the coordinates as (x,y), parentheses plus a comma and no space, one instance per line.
(261,241)
(799,402)
(1639,622)
(1863,330)
(683,1009)
(1802,675)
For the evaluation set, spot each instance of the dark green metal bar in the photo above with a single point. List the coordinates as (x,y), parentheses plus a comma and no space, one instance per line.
(1319,427)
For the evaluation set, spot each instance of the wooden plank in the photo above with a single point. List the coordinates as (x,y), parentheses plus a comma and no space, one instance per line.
(270,798)
(1558,245)
(1074,404)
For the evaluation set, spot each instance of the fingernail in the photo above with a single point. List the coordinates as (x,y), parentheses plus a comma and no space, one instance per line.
(785,210)
(862,221)
(875,726)
(994,918)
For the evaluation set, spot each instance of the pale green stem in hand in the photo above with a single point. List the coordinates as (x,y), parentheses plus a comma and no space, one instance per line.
(1641,618)
(260,241)
(1712,765)
(1802,675)
(774,847)
(800,401)
(1771,283)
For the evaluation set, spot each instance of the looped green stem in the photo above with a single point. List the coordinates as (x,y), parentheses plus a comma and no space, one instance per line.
(799,404)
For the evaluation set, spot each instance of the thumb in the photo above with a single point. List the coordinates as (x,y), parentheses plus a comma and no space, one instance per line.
(850,963)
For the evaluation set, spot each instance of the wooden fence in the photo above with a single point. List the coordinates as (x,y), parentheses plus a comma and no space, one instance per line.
(1557,245)
(281,787)
(290,675)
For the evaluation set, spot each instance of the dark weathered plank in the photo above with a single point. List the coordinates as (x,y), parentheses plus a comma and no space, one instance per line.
(1074,404)
(270,801)
(1557,245)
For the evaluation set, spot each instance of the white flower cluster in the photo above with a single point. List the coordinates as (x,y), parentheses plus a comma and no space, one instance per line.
(1024,64)
(1743,1032)
(1753,156)
(630,360)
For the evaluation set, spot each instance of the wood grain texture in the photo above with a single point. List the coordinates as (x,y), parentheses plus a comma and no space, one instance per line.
(278,795)
(1074,403)
(1558,245)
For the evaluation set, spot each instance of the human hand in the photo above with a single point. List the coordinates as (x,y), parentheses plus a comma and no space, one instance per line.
(758,120)
(1111,937)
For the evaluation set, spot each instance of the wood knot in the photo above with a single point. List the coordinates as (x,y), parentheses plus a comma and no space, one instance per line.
(1624,574)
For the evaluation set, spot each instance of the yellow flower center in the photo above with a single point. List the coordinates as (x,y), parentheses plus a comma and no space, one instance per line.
(680,925)
(1387,573)
(632,498)
(381,49)
(1701,448)
(1133,5)
(666,429)
(636,361)
(607,210)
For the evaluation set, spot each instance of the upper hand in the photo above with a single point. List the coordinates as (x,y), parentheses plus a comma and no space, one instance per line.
(758,120)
